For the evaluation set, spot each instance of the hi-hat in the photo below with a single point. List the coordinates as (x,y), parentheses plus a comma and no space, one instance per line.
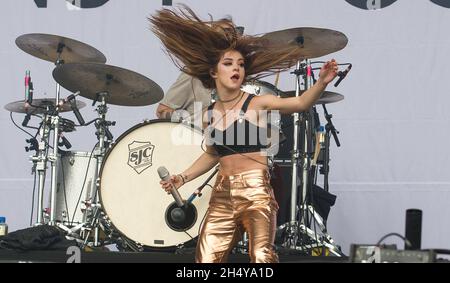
(124,87)
(40,106)
(53,47)
(326,97)
(313,42)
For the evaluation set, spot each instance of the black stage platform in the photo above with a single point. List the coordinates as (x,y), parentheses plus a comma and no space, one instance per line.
(141,257)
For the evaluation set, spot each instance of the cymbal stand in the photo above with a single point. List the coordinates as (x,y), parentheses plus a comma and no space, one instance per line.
(54,158)
(104,136)
(292,233)
(300,223)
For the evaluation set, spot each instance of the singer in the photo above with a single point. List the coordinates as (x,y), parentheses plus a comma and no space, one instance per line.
(242,199)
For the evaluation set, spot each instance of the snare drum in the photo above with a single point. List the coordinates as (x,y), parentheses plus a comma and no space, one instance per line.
(76,183)
(258,87)
(130,192)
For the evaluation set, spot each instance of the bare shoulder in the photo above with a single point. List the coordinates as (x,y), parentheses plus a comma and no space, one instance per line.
(263,101)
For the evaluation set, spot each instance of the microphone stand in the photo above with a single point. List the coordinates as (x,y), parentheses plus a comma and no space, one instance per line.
(198,191)
(330,129)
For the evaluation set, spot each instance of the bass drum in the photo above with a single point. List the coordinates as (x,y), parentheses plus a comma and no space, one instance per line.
(130,192)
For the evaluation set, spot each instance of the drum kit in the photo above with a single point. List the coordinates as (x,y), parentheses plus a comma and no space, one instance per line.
(111,195)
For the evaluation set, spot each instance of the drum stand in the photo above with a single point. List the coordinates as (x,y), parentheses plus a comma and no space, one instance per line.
(40,166)
(104,136)
(54,158)
(298,230)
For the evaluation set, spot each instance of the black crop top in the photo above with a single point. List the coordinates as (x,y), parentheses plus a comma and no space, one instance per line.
(240,137)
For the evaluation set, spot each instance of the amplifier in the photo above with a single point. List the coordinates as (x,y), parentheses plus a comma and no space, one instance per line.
(389,254)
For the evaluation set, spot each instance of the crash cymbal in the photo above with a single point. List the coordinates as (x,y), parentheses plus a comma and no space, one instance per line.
(45,46)
(39,106)
(124,87)
(327,97)
(314,42)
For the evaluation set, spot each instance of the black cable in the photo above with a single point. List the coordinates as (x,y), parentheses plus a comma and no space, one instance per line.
(407,242)
(90,122)
(32,200)
(12,120)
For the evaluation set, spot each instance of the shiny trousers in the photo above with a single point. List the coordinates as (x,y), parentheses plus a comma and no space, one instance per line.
(239,203)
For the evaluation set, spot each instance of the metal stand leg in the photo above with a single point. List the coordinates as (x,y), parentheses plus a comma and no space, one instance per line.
(40,161)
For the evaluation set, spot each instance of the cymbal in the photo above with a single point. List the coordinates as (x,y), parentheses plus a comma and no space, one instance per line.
(40,106)
(45,46)
(124,87)
(326,97)
(314,42)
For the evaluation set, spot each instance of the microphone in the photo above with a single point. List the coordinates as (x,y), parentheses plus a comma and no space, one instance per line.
(26,120)
(76,111)
(65,142)
(165,176)
(28,89)
(342,75)
(73,106)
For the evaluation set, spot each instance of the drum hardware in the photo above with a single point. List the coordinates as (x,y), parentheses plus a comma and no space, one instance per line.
(314,43)
(58,50)
(40,164)
(40,143)
(104,84)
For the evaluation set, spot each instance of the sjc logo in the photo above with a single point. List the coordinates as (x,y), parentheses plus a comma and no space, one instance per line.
(380,4)
(85,4)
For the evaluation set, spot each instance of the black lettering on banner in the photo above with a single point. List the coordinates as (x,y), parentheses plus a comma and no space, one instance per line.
(87,4)
(41,3)
(362,4)
(371,4)
(442,3)
(84,4)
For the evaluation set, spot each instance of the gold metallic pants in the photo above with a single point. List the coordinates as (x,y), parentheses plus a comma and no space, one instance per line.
(241,202)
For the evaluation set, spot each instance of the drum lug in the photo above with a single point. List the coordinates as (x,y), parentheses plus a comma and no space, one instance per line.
(71,161)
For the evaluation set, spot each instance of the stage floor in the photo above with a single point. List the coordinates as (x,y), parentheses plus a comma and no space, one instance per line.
(144,257)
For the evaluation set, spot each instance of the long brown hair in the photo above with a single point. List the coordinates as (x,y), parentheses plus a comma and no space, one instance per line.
(196,46)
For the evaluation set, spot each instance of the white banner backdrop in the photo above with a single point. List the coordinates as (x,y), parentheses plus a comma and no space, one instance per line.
(393,122)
